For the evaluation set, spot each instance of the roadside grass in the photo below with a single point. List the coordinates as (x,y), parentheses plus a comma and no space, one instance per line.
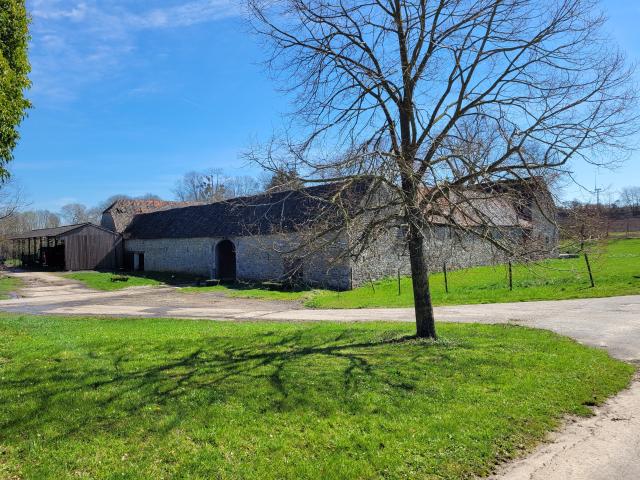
(103,280)
(8,285)
(124,398)
(254,290)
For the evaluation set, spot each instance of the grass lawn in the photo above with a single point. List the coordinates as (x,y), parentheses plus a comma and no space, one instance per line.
(102,280)
(91,398)
(8,285)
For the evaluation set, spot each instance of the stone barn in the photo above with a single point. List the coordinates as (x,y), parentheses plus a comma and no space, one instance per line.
(250,239)
(263,237)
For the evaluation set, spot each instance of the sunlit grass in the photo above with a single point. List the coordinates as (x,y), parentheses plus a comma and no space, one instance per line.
(8,285)
(163,399)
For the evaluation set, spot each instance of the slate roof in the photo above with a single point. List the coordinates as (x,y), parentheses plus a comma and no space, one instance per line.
(263,214)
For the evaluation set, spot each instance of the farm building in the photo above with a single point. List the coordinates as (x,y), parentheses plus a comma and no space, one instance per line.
(266,237)
(73,247)
(304,235)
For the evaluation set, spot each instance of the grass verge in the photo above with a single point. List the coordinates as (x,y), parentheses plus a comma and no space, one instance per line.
(103,280)
(88,398)
(8,285)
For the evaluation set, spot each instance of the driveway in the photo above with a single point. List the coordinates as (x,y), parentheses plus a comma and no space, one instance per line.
(606,446)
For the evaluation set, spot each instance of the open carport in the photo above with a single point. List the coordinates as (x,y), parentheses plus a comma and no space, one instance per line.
(73,247)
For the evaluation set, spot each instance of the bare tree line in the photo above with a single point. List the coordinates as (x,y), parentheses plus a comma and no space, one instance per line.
(213,185)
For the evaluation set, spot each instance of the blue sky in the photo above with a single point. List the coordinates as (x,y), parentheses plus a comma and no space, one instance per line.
(129,95)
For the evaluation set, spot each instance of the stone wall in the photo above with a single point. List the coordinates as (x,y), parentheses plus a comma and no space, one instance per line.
(389,254)
(259,258)
(179,255)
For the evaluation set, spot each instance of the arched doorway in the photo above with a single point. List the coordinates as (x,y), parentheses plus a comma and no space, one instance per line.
(226,261)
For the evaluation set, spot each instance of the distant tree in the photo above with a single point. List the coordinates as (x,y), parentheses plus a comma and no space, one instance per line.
(38,219)
(582,222)
(630,197)
(240,186)
(283,179)
(14,70)
(74,213)
(212,186)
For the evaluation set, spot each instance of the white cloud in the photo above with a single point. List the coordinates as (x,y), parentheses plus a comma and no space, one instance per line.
(75,43)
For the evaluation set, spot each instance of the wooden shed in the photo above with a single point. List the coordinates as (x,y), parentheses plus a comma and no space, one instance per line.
(73,247)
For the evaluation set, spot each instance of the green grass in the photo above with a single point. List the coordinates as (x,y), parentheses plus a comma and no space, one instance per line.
(8,285)
(249,290)
(96,398)
(615,265)
(102,280)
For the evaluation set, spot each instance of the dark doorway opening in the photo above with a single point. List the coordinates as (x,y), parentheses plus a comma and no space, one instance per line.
(226,261)
(53,257)
(140,265)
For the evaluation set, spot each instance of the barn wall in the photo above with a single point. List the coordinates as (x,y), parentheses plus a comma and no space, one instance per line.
(389,254)
(258,258)
(91,248)
(179,255)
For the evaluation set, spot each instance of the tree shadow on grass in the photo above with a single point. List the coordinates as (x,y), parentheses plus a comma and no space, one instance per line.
(289,372)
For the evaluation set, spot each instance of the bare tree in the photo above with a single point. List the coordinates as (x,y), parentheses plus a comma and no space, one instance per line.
(240,186)
(74,213)
(630,197)
(281,180)
(213,186)
(438,100)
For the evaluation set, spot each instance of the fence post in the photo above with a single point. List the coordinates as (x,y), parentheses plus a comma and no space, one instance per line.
(510,277)
(586,259)
(399,287)
(446,280)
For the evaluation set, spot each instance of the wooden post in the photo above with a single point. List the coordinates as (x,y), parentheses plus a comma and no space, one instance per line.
(510,277)
(446,280)
(399,287)
(586,259)
(351,278)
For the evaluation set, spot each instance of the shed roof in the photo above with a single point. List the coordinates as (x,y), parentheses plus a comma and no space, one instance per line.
(56,232)
(262,214)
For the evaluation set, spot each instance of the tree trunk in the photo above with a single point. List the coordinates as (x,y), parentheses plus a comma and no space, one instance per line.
(425,322)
